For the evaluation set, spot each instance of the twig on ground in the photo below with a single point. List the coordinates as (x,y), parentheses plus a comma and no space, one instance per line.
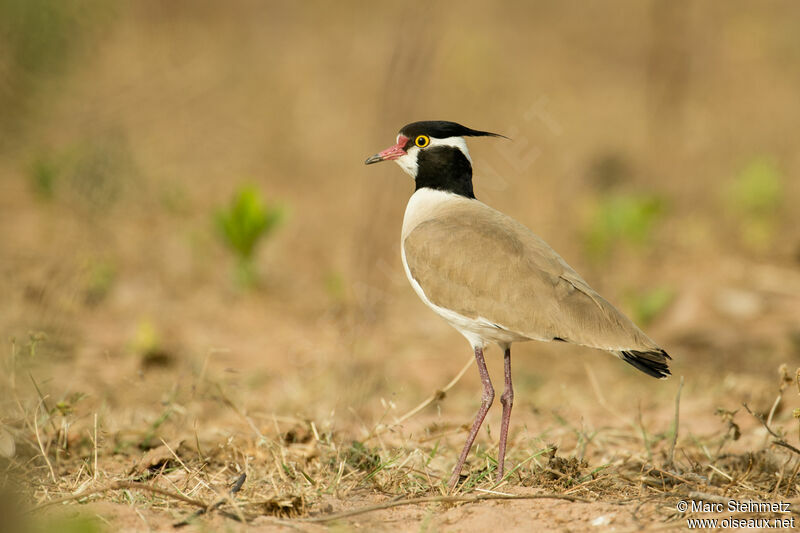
(586,483)
(237,486)
(672,475)
(774,408)
(439,499)
(781,442)
(790,484)
(239,483)
(437,395)
(94,442)
(601,399)
(778,438)
(39,441)
(671,460)
(644,434)
(204,507)
(122,485)
(43,399)
(239,412)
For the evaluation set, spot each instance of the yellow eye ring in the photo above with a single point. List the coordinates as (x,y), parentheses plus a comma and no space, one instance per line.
(422,141)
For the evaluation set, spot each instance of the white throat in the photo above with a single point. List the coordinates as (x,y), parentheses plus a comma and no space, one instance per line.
(409,162)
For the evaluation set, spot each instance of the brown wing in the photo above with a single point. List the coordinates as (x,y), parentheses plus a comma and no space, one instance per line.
(481,263)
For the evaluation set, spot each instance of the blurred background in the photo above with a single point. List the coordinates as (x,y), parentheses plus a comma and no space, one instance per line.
(183,194)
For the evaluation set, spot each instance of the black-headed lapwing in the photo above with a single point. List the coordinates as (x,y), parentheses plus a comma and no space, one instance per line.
(492,278)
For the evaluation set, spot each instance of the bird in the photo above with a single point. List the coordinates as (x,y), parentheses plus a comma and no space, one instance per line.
(490,277)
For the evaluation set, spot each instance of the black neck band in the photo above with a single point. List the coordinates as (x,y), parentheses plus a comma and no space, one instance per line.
(444,168)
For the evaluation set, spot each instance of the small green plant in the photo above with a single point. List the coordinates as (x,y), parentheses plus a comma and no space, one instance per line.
(92,174)
(150,441)
(147,337)
(148,345)
(43,173)
(361,457)
(335,287)
(66,406)
(100,277)
(755,196)
(757,189)
(101,169)
(35,338)
(627,218)
(246,222)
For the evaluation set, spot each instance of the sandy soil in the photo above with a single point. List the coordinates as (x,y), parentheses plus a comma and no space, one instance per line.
(132,355)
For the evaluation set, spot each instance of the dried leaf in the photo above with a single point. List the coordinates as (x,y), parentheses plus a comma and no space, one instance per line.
(156,457)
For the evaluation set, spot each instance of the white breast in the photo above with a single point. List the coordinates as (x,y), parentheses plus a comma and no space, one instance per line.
(423,205)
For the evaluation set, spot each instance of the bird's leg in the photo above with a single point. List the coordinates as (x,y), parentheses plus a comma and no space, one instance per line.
(486,401)
(507,399)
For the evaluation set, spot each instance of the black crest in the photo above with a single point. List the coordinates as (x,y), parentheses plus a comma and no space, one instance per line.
(441,129)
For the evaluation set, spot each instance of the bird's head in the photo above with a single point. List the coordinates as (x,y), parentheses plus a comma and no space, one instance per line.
(435,154)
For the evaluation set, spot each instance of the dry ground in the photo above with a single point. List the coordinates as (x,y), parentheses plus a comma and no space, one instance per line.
(143,390)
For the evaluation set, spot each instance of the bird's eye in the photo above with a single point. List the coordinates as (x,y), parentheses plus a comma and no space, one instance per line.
(422,141)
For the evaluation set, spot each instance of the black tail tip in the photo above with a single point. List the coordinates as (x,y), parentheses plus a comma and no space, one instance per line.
(653,363)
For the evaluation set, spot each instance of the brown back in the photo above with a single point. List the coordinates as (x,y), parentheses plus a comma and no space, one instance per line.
(479,262)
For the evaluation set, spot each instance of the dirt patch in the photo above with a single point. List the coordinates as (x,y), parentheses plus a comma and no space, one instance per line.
(148,380)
